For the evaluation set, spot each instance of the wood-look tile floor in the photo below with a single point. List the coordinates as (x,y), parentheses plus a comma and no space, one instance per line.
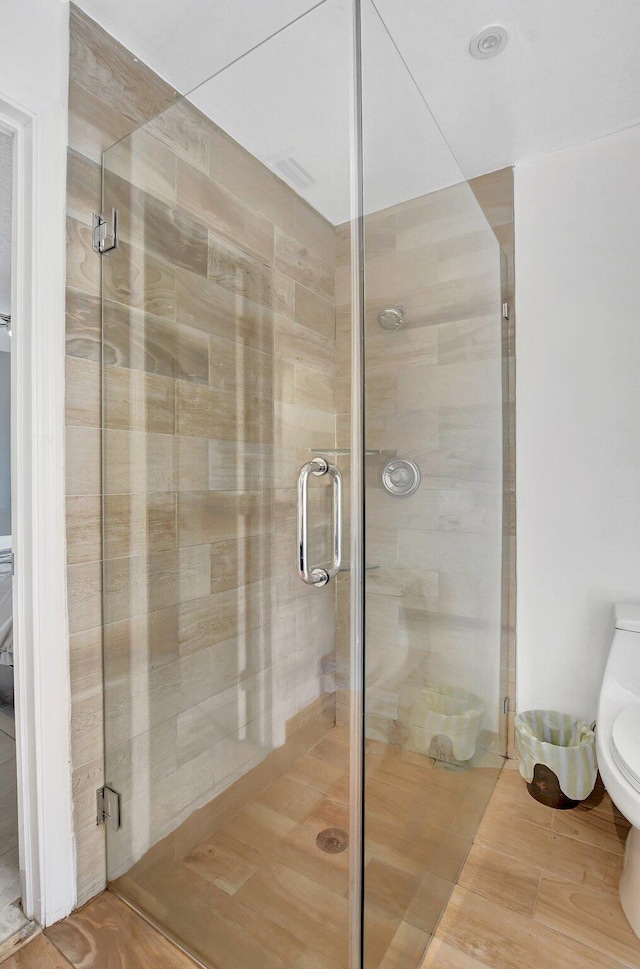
(258,891)
(538,890)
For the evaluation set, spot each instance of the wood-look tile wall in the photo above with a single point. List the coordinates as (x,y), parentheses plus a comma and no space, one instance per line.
(495,195)
(110,94)
(219,335)
(220,322)
(434,394)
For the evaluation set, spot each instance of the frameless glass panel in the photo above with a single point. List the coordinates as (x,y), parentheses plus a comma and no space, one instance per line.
(232,378)
(227,682)
(434,506)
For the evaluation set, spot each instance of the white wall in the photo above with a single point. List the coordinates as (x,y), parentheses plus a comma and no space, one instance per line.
(578,414)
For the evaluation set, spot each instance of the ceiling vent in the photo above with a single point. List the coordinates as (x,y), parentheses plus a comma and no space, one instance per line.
(292,171)
(489,42)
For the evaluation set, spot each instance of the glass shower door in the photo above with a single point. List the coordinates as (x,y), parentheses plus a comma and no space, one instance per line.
(258,327)
(433,436)
(227,732)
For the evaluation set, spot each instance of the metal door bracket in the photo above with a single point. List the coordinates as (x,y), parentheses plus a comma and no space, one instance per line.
(108,805)
(105,236)
(505,311)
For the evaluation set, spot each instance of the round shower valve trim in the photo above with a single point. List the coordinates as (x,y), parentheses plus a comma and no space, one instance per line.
(392,318)
(401,477)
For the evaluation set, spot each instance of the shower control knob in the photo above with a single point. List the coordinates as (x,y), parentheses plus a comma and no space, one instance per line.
(392,318)
(401,477)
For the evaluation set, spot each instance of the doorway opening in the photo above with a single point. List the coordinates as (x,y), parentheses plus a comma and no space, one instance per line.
(12,918)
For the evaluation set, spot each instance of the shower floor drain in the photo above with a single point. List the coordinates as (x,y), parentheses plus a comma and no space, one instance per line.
(332,840)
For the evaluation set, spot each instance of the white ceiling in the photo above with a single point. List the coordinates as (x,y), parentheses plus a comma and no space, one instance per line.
(570,73)
(6,182)
(291,97)
(186,41)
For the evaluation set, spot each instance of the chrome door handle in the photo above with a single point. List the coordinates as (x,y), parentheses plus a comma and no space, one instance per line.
(318,576)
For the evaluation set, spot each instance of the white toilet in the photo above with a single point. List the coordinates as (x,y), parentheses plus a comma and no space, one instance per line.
(618,744)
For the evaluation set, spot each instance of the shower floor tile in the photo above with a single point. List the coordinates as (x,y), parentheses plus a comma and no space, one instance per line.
(259,890)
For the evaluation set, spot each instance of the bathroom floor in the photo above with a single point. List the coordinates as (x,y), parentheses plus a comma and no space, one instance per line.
(538,890)
(12,919)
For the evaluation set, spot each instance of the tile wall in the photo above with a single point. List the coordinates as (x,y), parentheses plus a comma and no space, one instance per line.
(110,94)
(219,332)
(221,341)
(495,194)
(433,394)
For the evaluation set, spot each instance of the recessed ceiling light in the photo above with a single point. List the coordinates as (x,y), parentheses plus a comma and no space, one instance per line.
(489,42)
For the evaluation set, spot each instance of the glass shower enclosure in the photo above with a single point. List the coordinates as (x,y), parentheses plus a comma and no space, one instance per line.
(303,507)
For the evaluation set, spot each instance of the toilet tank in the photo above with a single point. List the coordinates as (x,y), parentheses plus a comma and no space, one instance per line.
(627,616)
(621,681)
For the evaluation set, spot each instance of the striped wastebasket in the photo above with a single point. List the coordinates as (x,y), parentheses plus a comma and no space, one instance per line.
(557,757)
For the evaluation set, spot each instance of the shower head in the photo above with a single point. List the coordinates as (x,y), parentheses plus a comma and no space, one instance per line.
(392,318)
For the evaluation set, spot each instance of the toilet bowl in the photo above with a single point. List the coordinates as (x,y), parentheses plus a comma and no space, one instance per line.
(618,744)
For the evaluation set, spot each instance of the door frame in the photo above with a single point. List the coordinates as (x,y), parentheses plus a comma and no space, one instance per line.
(41,658)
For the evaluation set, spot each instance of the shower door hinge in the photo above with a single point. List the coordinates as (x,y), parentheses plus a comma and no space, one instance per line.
(505,311)
(108,803)
(105,236)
